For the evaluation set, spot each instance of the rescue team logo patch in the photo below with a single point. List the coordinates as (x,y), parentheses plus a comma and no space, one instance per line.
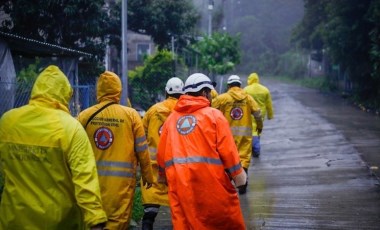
(103,138)
(186,124)
(236,113)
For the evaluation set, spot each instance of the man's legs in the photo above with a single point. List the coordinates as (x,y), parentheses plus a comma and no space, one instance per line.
(150,213)
(255,146)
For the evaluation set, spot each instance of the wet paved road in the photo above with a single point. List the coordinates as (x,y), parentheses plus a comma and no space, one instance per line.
(313,172)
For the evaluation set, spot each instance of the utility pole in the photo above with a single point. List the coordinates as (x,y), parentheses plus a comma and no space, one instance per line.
(210,8)
(124,55)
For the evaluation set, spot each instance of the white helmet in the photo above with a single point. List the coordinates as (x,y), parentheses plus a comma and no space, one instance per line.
(174,85)
(196,82)
(233,78)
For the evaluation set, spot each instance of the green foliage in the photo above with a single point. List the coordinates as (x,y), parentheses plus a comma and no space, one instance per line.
(219,53)
(162,19)
(148,81)
(75,24)
(78,24)
(138,209)
(348,32)
(292,64)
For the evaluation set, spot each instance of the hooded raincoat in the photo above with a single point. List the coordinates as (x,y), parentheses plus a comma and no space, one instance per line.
(237,106)
(118,139)
(262,96)
(153,121)
(195,149)
(47,163)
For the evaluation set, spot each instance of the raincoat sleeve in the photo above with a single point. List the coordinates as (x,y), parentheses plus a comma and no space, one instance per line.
(141,149)
(161,150)
(226,146)
(81,162)
(216,102)
(255,109)
(269,107)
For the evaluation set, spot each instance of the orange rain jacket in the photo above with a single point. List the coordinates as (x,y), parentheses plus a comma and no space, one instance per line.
(195,149)
(118,139)
(47,163)
(262,96)
(237,106)
(153,121)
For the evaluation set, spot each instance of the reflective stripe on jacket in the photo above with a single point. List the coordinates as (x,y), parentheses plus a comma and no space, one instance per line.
(118,140)
(195,149)
(153,121)
(237,106)
(47,162)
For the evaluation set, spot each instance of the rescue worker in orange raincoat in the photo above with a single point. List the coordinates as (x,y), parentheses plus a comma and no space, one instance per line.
(118,140)
(197,157)
(153,120)
(262,96)
(47,163)
(238,108)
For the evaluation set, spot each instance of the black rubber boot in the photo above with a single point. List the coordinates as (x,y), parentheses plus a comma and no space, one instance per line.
(150,213)
(243,189)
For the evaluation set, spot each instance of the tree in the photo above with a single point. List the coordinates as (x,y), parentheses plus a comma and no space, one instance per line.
(77,24)
(148,81)
(348,32)
(219,53)
(160,19)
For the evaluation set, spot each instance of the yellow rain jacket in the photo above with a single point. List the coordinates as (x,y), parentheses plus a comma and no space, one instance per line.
(262,96)
(237,107)
(47,162)
(118,139)
(153,121)
(214,94)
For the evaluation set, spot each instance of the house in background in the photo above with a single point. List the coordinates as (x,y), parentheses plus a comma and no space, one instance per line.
(138,45)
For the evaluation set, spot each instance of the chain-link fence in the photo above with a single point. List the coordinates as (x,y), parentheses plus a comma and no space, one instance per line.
(18,95)
(18,76)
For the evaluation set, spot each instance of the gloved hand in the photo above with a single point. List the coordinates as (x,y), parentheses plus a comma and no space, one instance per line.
(147,184)
(259,131)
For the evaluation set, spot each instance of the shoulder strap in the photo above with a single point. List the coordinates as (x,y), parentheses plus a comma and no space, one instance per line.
(98,111)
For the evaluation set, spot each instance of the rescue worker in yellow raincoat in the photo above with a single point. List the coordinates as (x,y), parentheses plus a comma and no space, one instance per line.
(262,96)
(153,120)
(47,162)
(238,108)
(197,157)
(214,93)
(118,140)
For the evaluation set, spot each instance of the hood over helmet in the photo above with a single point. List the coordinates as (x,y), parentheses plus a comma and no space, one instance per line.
(108,87)
(53,88)
(253,78)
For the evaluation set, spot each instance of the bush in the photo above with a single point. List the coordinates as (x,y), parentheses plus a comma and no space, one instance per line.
(138,209)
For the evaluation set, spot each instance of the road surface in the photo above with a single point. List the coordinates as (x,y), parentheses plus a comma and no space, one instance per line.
(314,169)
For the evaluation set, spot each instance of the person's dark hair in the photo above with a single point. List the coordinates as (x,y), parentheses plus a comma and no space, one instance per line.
(234,84)
(199,93)
(175,95)
(214,83)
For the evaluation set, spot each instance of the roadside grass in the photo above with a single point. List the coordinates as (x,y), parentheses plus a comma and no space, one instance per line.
(138,209)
